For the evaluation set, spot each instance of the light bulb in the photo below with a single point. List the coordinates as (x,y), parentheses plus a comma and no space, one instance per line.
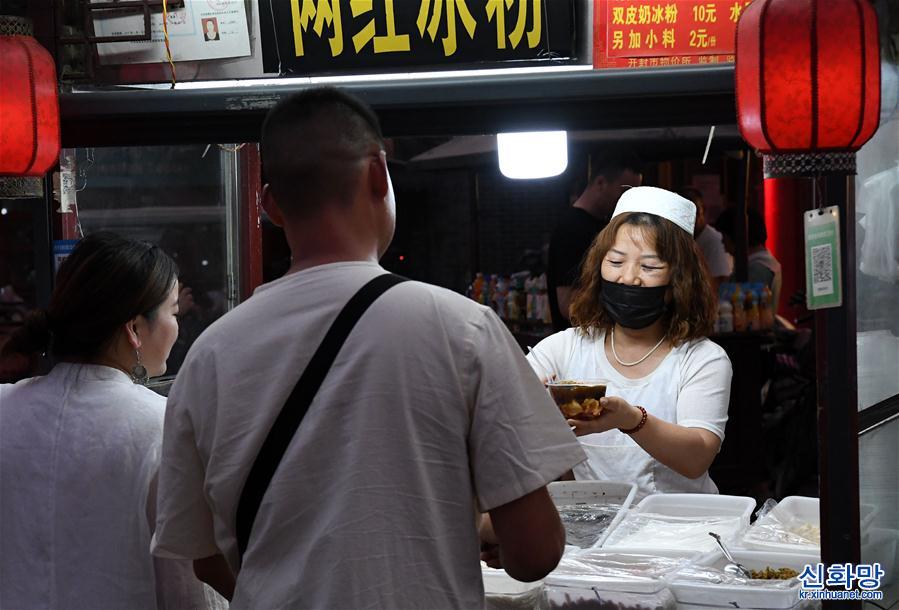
(533,154)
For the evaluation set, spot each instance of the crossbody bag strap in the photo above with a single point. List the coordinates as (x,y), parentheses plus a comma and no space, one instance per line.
(296,405)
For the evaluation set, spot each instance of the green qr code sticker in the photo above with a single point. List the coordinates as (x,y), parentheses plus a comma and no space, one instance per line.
(822,270)
(822,258)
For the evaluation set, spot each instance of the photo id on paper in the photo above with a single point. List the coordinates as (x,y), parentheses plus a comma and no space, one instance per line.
(823,280)
(202,29)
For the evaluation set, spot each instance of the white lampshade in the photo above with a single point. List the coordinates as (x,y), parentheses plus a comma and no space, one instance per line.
(533,154)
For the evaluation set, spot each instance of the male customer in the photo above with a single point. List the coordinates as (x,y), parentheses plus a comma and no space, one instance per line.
(710,242)
(428,414)
(762,267)
(612,173)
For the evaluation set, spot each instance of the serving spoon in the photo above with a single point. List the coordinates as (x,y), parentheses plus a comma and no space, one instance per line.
(733,567)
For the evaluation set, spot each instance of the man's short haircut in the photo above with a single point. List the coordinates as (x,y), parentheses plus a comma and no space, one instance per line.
(309,145)
(693,194)
(610,163)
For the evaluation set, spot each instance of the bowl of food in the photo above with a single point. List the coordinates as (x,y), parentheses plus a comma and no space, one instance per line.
(578,399)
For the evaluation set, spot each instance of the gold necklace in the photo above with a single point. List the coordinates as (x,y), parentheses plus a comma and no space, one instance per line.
(635,363)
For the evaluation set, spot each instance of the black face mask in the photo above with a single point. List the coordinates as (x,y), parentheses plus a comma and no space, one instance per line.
(633,306)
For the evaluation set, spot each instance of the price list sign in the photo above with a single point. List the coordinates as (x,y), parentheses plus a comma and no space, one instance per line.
(653,33)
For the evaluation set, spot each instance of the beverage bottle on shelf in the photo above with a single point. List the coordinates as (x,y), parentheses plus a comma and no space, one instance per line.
(739,313)
(752,311)
(521,289)
(502,292)
(477,286)
(513,311)
(543,300)
(766,309)
(725,316)
(739,316)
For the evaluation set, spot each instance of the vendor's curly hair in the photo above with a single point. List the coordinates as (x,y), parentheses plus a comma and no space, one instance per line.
(693,308)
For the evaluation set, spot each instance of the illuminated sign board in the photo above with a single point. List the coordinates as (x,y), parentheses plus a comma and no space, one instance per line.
(315,36)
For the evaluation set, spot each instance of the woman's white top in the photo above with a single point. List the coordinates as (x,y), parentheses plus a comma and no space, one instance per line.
(78,450)
(690,387)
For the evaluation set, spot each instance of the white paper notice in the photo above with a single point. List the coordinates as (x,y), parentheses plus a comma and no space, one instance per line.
(203,29)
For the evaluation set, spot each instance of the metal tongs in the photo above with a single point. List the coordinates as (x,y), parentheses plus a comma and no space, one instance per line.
(733,567)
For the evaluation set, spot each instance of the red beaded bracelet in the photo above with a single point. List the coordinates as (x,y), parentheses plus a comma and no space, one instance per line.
(638,426)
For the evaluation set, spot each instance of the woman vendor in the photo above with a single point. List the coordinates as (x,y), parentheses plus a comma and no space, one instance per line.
(641,314)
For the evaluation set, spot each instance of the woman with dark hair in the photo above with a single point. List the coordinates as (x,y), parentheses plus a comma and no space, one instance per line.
(79,447)
(642,310)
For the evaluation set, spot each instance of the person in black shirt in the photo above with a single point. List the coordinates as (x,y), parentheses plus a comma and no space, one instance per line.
(611,174)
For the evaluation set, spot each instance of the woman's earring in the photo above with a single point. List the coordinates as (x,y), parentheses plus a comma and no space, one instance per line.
(139,372)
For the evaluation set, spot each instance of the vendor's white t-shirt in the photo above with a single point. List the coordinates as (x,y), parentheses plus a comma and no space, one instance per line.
(690,387)
(711,244)
(429,411)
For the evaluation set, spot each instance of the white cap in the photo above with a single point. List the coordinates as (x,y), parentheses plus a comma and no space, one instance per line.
(652,200)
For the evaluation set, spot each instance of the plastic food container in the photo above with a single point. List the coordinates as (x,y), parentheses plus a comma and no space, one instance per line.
(616,496)
(705,583)
(578,399)
(883,548)
(793,526)
(600,580)
(502,592)
(680,523)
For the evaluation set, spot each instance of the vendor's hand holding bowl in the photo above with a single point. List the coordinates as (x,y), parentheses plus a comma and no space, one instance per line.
(616,413)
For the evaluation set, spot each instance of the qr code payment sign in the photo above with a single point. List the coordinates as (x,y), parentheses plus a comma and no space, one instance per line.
(823,282)
(822,270)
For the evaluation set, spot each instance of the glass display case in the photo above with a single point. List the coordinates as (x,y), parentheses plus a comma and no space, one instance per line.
(877,276)
(186,199)
(21,221)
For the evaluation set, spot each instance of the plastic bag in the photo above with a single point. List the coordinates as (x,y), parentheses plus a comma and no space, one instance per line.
(785,528)
(618,569)
(716,576)
(586,523)
(880,244)
(602,580)
(651,532)
(502,592)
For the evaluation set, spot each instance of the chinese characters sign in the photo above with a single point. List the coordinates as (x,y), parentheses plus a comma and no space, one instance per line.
(305,36)
(649,33)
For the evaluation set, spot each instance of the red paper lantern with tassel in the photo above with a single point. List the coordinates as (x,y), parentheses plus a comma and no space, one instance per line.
(29,104)
(808,83)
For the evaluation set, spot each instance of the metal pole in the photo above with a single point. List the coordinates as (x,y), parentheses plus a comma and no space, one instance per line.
(741,241)
(836,364)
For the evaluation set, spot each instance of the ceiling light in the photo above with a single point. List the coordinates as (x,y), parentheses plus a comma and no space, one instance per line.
(534,154)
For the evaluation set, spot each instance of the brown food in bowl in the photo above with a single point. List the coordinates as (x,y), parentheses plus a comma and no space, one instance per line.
(578,400)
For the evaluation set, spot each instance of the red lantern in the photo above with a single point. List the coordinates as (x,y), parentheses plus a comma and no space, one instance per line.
(29,108)
(808,83)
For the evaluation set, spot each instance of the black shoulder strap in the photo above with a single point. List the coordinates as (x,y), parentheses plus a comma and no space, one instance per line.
(294,409)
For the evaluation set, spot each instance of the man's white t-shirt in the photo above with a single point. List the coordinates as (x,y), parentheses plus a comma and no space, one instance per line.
(429,412)
(711,244)
(690,387)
